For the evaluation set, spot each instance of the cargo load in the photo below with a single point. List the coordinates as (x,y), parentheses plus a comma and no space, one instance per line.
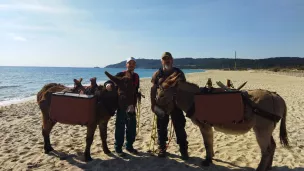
(73,108)
(219,108)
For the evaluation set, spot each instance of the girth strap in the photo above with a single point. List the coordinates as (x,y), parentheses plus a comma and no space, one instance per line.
(258,111)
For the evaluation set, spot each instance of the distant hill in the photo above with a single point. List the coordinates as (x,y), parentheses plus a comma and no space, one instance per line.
(220,63)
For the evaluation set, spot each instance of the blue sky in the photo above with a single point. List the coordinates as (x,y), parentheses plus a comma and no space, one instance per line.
(96,32)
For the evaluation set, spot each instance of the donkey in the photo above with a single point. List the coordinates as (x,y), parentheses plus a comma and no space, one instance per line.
(107,104)
(263,110)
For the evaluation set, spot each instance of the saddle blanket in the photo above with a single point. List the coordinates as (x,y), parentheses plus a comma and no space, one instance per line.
(73,108)
(219,108)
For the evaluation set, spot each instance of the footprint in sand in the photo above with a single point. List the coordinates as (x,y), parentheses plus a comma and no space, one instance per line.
(7,140)
(8,150)
(23,152)
(32,165)
(26,148)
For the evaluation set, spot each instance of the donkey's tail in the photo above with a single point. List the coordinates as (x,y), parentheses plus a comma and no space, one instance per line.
(283,132)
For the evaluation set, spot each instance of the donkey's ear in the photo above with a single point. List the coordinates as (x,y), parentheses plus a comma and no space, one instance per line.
(169,77)
(172,81)
(113,78)
(77,82)
(128,74)
(93,79)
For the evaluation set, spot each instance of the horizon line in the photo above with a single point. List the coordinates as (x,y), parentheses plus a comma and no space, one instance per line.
(146,59)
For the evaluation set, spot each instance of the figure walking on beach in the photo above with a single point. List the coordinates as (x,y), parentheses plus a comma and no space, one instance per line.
(126,118)
(177,115)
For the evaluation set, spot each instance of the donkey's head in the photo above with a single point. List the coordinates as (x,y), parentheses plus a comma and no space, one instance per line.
(126,90)
(175,92)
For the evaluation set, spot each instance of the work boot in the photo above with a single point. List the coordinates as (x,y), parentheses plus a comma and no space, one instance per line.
(184,152)
(162,152)
(132,150)
(120,153)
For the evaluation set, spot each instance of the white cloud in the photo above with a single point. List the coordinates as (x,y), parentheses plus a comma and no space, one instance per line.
(17,37)
(58,30)
(45,16)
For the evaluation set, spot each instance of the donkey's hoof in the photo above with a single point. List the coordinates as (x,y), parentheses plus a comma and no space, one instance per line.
(107,151)
(206,162)
(88,158)
(269,168)
(47,150)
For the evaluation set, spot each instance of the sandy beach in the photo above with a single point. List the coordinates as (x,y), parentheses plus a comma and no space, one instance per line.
(21,142)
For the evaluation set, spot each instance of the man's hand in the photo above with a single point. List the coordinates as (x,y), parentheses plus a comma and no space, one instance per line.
(152,96)
(109,87)
(153,107)
(138,96)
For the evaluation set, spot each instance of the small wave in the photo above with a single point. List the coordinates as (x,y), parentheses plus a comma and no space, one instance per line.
(16,101)
(9,86)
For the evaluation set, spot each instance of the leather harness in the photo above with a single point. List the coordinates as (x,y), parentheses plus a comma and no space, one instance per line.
(258,111)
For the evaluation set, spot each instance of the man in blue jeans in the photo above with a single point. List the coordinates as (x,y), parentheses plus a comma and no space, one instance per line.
(126,121)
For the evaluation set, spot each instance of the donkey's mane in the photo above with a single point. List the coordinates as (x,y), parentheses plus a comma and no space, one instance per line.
(192,84)
(188,86)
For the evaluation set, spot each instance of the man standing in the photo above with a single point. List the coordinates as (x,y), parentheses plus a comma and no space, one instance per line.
(177,115)
(126,122)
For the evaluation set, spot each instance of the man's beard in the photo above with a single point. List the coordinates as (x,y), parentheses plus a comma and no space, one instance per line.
(167,67)
(131,70)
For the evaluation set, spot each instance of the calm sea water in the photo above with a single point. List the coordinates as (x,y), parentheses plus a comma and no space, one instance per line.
(22,83)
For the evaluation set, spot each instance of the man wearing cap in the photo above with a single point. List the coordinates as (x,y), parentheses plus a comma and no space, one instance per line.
(177,115)
(125,122)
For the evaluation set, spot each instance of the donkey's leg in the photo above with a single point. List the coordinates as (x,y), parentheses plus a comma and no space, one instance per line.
(89,140)
(272,150)
(46,130)
(103,127)
(263,135)
(207,134)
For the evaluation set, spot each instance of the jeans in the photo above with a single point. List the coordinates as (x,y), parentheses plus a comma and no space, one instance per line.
(125,122)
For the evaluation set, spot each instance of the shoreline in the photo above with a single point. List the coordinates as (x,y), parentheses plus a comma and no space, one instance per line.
(285,73)
(29,98)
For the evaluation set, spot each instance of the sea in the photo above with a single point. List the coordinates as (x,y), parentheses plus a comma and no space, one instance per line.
(19,84)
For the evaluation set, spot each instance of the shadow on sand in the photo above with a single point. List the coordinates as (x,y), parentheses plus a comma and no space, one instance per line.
(147,161)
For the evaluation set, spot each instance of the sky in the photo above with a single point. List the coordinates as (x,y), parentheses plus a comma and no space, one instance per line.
(83,33)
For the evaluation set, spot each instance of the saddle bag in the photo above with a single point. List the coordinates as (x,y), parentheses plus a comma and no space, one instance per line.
(219,108)
(73,108)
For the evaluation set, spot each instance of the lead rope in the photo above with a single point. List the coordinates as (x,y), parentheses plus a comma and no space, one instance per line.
(171,133)
(138,113)
(138,117)
(154,135)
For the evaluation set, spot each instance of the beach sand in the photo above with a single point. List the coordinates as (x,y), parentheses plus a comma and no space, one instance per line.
(21,142)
